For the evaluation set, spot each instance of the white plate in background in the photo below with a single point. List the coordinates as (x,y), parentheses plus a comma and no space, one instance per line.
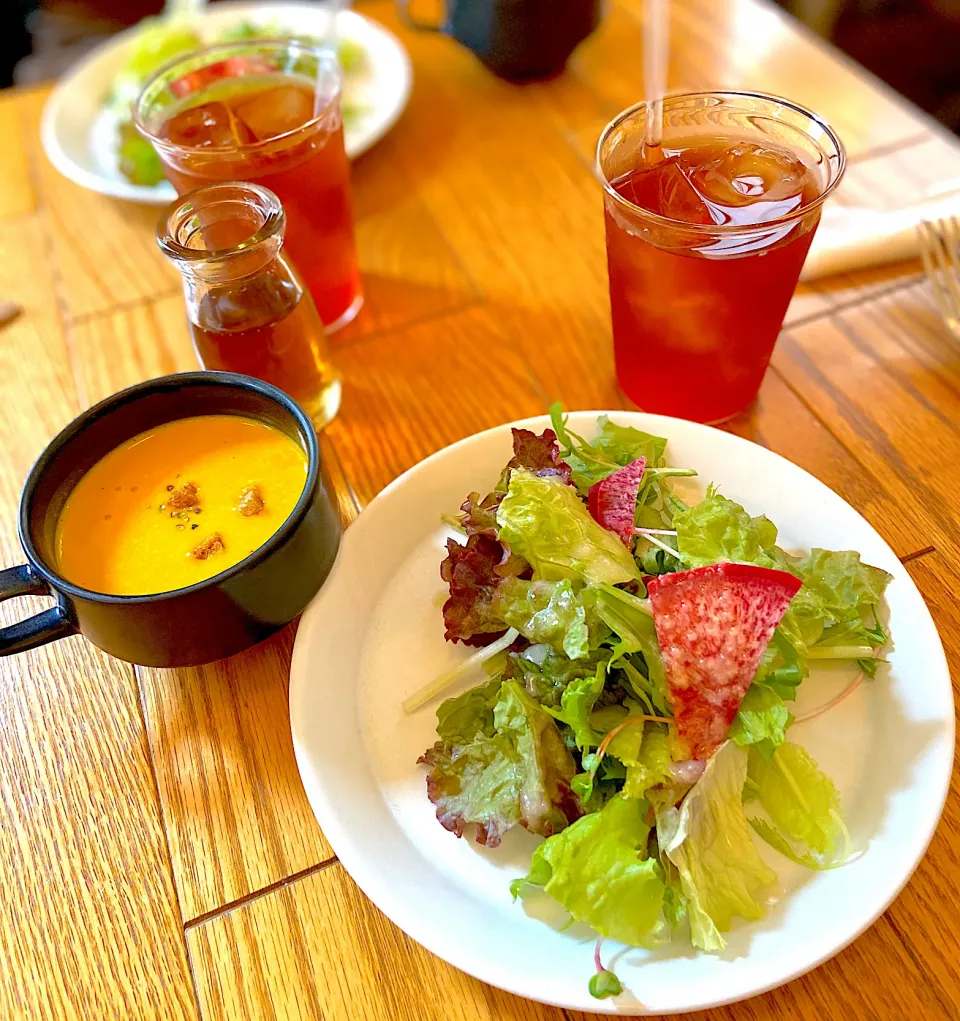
(78,132)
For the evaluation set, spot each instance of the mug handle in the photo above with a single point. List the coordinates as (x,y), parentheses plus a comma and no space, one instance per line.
(403,9)
(38,629)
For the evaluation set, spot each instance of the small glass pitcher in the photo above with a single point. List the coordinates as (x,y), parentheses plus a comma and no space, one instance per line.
(248,308)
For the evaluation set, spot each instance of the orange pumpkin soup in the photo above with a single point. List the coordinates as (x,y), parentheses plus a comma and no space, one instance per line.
(178,504)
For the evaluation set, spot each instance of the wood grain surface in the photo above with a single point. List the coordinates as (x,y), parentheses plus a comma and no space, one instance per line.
(319,948)
(91,925)
(157,854)
(883,376)
(18,197)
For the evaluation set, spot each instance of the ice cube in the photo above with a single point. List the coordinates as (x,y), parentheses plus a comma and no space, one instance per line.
(211,124)
(663,189)
(276,111)
(750,183)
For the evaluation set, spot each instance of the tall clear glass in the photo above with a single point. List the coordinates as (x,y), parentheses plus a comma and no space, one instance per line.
(266,111)
(697,299)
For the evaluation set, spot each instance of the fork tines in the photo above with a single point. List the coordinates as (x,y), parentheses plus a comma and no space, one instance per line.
(939,245)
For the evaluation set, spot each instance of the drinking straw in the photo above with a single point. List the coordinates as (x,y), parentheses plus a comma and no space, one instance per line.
(655,40)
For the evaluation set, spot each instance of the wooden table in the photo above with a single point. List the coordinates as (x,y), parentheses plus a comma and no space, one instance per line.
(158,858)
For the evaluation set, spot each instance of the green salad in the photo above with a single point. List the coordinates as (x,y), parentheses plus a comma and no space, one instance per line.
(162,39)
(641,657)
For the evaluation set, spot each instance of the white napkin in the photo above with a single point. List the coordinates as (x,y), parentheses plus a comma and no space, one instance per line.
(852,237)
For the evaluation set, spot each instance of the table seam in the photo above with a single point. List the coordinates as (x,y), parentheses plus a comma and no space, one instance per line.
(840,441)
(82,318)
(68,322)
(248,898)
(427,317)
(333,454)
(855,302)
(890,148)
(908,558)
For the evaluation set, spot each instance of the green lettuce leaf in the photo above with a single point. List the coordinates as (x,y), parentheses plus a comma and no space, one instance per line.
(800,799)
(837,600)
(762,721)
(783,666)
(717,530)
(625,744)
(637,757)
(629,617)
(674,899)
(156,41)
(623,444)
(834,607)
(614,447)
(649,688)
(137,159)
(545,522)
(780,842)
(577,703)
(517,771)
(603,984)
(709,842)
(674,905)
(651,766)
(630,620)
(462,718)
(545,612)
(611,715)
(601,781)
(844,585)
(854,631)
(545,672)
(582,786)
(870,666)
(598,870)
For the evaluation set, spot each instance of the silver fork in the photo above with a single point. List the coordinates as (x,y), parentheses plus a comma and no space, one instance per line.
(939,244)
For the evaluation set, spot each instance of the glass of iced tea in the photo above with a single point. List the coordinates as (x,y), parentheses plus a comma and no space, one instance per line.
(247,307)
(266,111)
(706,236)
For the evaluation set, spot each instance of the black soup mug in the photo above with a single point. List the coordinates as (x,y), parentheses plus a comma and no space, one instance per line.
(214,618)
(516,39)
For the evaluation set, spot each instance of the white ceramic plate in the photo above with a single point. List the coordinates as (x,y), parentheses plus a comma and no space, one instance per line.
(78,132)
(374,634)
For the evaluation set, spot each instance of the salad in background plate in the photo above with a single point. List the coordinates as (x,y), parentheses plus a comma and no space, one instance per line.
(641,658)
(161,39)
(80,129)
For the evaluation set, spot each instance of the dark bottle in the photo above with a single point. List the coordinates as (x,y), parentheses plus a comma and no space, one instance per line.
(518,39)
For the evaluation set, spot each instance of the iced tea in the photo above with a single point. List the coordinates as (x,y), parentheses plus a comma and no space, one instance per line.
(267,329)
(706,236)
(245,115)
